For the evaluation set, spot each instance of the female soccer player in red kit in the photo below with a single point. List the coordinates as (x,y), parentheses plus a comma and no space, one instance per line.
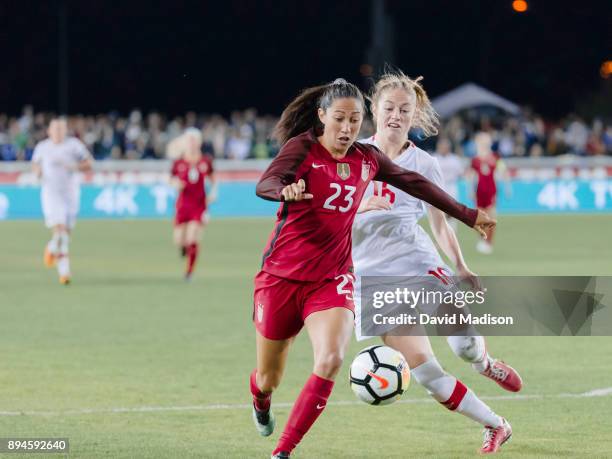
(484,166)
(189,173)
(320,176)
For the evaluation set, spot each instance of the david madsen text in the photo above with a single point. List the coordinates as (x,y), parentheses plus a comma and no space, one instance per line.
(412,298)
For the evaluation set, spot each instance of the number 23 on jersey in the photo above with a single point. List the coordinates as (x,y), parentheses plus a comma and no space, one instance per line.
(341,198)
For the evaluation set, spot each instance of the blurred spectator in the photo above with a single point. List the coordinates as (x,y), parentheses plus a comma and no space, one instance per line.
(247,134)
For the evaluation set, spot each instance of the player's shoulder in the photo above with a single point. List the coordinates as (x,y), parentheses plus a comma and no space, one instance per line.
(367,147)
(424,159)
(74,141)
(43,143)
(304,140)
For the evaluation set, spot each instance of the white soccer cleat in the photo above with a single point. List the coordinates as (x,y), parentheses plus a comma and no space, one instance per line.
(484,247)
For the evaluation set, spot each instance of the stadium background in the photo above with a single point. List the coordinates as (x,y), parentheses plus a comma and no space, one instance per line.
(129,361)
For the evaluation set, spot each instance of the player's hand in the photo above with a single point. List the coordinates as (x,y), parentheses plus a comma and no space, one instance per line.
(295,192)
(483,223)
(374,203)
(211,199)
(470,277)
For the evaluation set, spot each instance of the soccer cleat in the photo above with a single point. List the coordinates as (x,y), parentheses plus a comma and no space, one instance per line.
(280,455)
(48,258)
(504,375)
(64,280)
(484,247)
(494,438)
(264,422)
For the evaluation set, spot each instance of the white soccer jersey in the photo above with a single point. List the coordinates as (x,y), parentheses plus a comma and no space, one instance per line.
(452,170)
(383,240)
(60,179)
(59,162)
(391,242)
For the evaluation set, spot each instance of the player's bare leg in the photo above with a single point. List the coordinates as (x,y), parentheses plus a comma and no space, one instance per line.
(193,232)
(271,362)
(179,238)
(330,332)
(443,387)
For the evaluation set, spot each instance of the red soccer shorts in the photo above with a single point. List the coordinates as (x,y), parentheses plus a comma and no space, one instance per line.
(186,214)
(281,305)
(485,200)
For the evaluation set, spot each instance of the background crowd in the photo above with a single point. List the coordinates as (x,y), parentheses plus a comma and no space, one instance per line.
(245,134)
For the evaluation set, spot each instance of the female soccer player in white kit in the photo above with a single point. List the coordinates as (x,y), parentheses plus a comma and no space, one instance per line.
(387,241)
(57,161)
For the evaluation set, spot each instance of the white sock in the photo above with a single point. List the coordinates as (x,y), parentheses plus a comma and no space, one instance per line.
(64,242)
(63,266)
(453,394)
(53,244)
(63,263)
(472,349)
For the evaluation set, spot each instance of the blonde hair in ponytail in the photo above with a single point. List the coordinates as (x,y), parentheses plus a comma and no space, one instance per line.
(425,117)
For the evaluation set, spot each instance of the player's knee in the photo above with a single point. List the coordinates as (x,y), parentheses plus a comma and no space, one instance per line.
(268,381)
(469,348)
(329,364)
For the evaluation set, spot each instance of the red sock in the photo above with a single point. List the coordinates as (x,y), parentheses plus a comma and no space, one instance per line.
(260,399)
(192,254)
(306,410)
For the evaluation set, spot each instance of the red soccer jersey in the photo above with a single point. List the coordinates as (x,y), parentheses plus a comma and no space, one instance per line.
(311,240)
(485,168)
(193,176)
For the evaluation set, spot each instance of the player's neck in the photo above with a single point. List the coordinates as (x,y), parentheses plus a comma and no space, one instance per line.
(334,153)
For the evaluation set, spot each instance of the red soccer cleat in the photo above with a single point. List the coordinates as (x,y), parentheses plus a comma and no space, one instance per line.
(504,375)
(495,438)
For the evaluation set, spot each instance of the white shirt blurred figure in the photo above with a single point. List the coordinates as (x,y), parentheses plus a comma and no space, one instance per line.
(452,170)
(58,162)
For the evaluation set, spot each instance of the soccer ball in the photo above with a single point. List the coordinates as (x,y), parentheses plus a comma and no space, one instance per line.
(379,375)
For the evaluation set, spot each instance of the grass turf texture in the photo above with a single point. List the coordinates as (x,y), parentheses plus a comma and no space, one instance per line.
(129,332)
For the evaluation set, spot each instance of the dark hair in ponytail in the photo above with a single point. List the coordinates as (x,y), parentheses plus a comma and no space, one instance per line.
(301,114)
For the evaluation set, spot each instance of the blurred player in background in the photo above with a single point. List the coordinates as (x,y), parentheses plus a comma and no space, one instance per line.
(58,161)
(306,279)
(388,241)
(484,167)
(452,170)
(190,174)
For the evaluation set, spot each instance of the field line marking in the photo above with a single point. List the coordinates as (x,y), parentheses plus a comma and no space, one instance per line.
(603,392)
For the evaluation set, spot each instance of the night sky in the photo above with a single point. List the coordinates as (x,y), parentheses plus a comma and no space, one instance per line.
(215,56)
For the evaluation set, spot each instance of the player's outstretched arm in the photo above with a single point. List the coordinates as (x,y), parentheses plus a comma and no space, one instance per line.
(280,174)
(214,189)
(448,242)
(421,188)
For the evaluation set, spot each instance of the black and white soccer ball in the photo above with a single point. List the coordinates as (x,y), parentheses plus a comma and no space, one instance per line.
(379,375)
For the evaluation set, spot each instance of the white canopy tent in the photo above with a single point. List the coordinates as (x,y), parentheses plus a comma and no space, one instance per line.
(471,95)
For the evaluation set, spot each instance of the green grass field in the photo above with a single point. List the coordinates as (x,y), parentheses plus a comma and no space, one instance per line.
(129,361)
